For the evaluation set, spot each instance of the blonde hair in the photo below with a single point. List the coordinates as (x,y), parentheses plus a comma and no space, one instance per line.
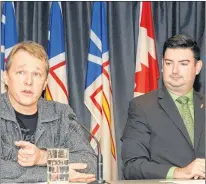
(33,48)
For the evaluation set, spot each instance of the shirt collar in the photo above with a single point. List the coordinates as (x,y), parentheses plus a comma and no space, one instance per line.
(189,95)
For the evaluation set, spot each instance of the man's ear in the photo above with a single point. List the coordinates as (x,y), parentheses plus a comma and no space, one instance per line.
(45,83)
(162,65)
(5,77)
(198,66)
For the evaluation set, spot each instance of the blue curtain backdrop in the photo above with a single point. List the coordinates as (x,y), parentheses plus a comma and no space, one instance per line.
(169,18)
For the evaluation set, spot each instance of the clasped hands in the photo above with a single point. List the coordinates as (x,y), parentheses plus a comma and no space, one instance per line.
(195,170)
(30,155)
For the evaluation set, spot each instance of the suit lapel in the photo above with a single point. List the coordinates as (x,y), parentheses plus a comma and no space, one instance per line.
(199,117)
(170,108)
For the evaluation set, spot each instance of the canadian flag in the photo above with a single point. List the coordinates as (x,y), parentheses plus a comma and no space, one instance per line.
(147,72)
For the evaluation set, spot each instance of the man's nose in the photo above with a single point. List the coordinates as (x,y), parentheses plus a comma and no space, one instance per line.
(28,80)
(175,68)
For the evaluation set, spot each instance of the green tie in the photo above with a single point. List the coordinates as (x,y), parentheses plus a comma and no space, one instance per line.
(186,116)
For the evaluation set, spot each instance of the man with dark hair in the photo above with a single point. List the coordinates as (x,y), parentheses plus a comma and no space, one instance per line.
(165,133)
(30,125)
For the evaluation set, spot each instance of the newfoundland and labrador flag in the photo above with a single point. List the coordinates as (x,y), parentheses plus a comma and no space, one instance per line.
(8,35)
(56,89)
(98,91)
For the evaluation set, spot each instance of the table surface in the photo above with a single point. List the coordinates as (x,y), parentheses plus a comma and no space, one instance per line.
(158,182)
(141,182)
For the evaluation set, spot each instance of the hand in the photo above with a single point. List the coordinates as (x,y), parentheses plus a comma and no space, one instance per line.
(198,177)
(195,170)
(75,176)
(30,155)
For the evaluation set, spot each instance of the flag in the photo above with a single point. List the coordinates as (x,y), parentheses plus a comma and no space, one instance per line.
(56,89)
(147,72)
(8,35)
(98,92)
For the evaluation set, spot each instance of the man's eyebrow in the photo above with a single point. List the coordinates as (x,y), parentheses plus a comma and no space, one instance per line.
(38,68)
(168,60)
(183,60)
(21,66)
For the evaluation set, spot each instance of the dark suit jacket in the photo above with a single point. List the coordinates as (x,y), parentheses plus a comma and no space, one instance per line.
(155,137)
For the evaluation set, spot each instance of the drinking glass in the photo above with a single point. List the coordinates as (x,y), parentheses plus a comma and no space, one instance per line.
(58,166)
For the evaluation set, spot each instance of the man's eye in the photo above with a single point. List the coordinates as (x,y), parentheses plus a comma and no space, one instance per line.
(184,64)
(36,74)
(20,72)
(168,64)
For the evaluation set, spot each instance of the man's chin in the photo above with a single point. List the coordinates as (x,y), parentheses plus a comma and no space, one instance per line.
(174,84)
(27,102)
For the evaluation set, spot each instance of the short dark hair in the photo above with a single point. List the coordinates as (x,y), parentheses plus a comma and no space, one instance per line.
(182,42)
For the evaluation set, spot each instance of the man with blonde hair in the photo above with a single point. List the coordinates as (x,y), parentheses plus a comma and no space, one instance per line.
(30,124)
